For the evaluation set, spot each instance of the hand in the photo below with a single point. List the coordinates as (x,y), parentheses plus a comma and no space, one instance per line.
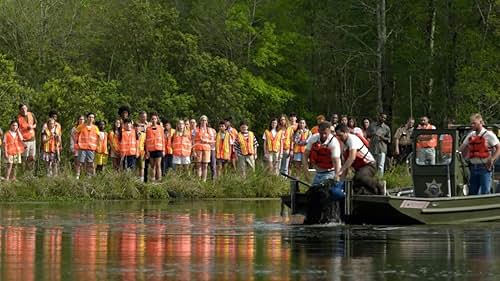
(489,164)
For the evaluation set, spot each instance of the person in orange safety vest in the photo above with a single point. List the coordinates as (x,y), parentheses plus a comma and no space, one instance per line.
(155,145)
(223,147)
(51,139)
(87,138)
(27,125)
(181,147)
(101,157)
(13,149)
(426,144)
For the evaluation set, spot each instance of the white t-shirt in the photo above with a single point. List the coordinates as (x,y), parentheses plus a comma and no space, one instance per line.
(353,142)
(491,141)
(273,132)
(333,144)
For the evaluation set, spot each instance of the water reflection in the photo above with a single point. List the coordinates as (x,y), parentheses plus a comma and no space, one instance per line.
(230,241)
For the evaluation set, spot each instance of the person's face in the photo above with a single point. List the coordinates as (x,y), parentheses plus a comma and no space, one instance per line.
(118,124)
(323,134)
(192,123)
(222,127)
(54,116)
(382,118)
(274,124)
(424,121)
(203,122)
(125,114)
(154,119)
(51,124)
(335,118)
(320,120)
(14,126)
(228,124)
(366,122)
(244,128)
(342,136)
(101,126)
(282,121)
(343,121)
(180,125)
(24,110)
(302,124)
(168,126)
(128,126)
(351,123)
(293,119)
(143,117)
(91,118)
(476,124)
(411,123)
(81,120)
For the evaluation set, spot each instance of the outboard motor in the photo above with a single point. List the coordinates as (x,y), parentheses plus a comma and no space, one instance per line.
(325,202)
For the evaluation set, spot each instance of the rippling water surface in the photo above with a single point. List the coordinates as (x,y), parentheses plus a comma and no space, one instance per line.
(229,240)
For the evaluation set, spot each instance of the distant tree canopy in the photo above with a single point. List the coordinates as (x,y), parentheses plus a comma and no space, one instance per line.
(251,59)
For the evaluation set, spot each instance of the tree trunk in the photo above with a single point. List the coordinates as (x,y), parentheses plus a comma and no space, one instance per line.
(432,31)
(382,37)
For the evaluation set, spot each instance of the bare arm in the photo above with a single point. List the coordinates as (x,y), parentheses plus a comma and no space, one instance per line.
(348,162)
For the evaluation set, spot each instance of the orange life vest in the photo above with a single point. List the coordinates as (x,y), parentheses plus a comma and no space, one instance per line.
(247,144)
(155,138)
(128,144)
(273,143)
(446,144)
(431,143)
(200,139)
(223,146)
(168,142)
(87,137)
(287,138)
(102,146)
(360,161)
(24,123)
(315,130)
(321,155)
(362,138)
(302,138)
(113,141)
(13,145)
(477,147)
(181,144)
(50,146)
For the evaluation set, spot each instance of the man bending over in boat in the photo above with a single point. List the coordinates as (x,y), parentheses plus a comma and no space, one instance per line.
(323,152)
(357,156)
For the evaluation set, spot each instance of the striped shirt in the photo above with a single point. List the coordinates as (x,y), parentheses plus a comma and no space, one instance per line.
(237,143)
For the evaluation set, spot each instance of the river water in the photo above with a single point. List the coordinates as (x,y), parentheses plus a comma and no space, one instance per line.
(229,240)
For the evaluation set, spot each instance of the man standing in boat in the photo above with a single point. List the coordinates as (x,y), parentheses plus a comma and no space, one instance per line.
(482,149)
(323,152)
(357,156)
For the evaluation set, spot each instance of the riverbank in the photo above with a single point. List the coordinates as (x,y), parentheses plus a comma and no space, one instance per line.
(110,185)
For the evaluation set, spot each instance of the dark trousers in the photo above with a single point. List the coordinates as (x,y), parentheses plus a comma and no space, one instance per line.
(404,152)
(166,163)
(213,164)
(365,178)
(129,162)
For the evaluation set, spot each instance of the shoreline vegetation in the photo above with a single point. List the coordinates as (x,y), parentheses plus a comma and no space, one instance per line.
(111,185)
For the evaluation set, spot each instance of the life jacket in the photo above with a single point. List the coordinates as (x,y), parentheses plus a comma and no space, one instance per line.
(102,146)
(321,155)
(223,146)
(141,143)
(13,145)
(431,143)
(128,144)
(114,143)
(446,144)
(247,144)
(360,161)
(273,143)
(301,138)
(315,130)
(200,137)
(50,146)
(362,138)
(24,123)
(87,137)
(287,138)
(181,144)
(155,138)
(478,147)
(168,142)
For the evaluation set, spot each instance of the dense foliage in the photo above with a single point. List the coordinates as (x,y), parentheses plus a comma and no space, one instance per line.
(251,59)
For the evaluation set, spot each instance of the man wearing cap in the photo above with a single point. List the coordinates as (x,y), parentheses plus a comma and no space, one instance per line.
(319,119)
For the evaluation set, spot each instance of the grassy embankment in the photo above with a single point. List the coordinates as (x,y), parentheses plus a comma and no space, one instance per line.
(110,185)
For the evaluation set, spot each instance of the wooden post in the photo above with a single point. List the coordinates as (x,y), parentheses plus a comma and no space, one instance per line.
(294,187)
(348,198)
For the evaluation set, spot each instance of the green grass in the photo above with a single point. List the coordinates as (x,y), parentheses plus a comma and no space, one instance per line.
(110,185)
(397,177)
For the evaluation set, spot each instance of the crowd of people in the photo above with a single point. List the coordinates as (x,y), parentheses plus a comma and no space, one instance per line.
(331,147)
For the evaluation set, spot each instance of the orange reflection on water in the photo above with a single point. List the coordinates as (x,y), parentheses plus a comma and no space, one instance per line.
(52,246)
(19,253)
(85,252)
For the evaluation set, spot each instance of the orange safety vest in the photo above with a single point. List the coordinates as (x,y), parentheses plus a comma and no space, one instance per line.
(321,155)
(223,146)
(315,130)
(128,143)
(51,144)
(168,142)
(287,138)
(113,141)
(87,137)
(200,137)
(360,161)
(181,144)
(302,138)
(13,145)
(446,144)
(477,147)
(427,143)
(155,138)
(24,122)
(273,143)
(102,146)
(247,144)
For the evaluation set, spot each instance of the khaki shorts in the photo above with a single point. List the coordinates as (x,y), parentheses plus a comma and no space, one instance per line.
(202,156)
(272,157)
(245,161)
(30,150)
(14,159)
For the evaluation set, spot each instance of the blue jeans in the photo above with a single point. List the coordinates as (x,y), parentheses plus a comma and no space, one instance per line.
(480,179)
(285,161)
(129,162)
(380,158)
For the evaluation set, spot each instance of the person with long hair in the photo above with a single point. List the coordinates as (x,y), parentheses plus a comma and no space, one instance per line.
(114,143)
(273,148)
(300,137)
